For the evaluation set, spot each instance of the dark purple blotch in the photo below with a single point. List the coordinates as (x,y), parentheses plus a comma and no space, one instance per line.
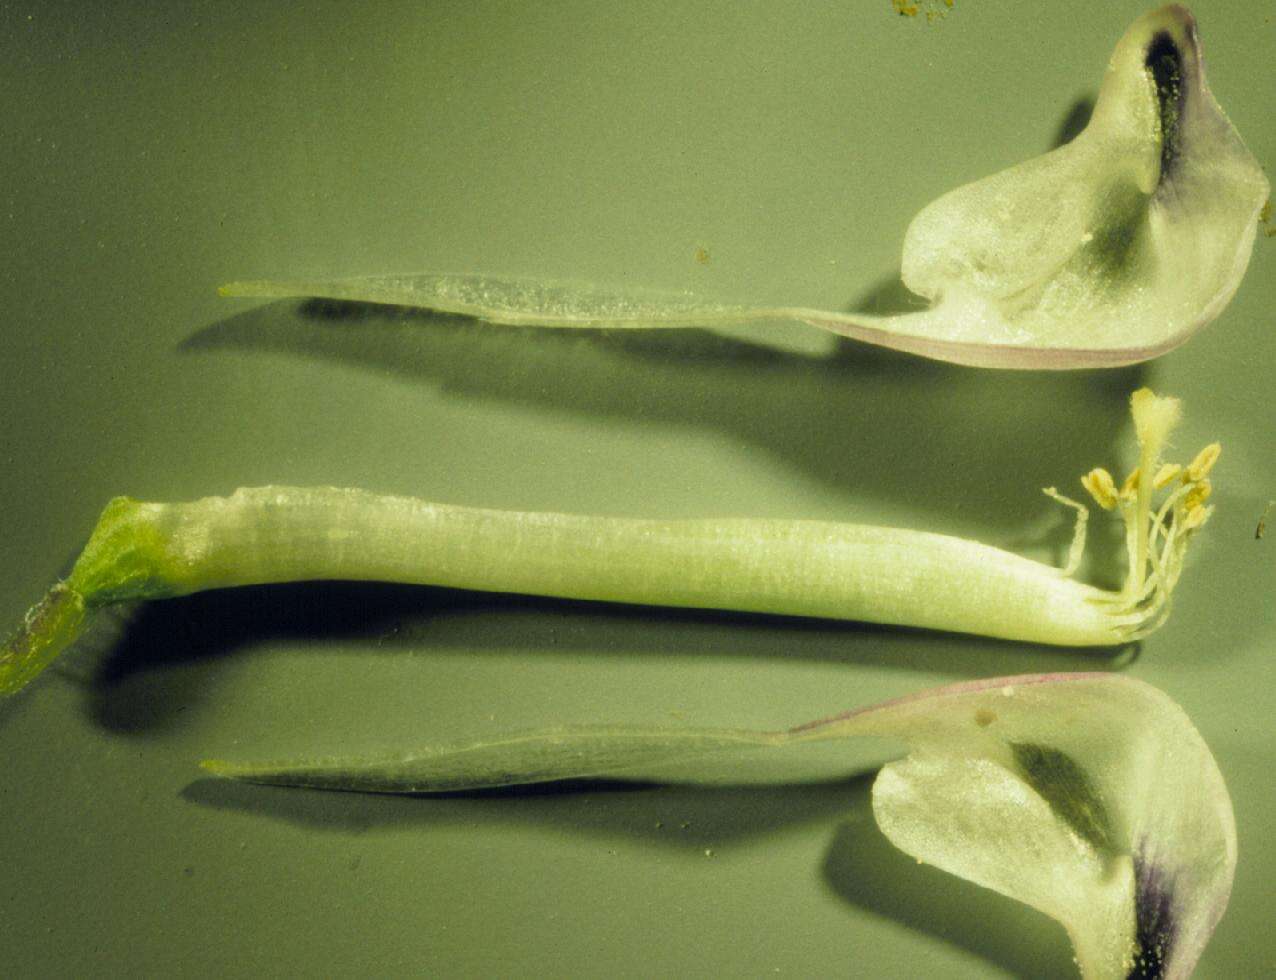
(1165,61)
(1155,925)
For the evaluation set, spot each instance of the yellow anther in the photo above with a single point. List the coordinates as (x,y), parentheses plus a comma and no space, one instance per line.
(1204,462)
(1098,482)
(1166,475)
(1196,516)
(1130,485)
(1199,493)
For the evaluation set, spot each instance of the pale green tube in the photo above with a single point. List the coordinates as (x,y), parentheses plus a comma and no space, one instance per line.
(786,567)
(797,568)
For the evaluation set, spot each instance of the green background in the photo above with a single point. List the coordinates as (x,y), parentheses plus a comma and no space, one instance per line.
(151,151)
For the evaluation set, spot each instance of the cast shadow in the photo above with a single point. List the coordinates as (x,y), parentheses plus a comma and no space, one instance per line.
(147,668)
(861,866)
(1074,120)
(879,424)
(865,869)
(884,426)
(686,818)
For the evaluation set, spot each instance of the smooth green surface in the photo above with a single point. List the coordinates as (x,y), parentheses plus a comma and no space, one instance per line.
(153,152)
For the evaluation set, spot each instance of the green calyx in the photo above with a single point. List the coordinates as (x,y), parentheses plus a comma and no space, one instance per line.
(126,557)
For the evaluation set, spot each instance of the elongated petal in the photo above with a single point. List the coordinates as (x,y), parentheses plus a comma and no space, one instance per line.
(1109,250)
(516,302)
(516,760)
(1087,796)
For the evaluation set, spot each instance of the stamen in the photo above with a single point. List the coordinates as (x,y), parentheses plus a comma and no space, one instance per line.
(1165,475)
(1077,549)
(1197,516)
(1156,534)
(1098,482)
(1197,495)
(1199,468)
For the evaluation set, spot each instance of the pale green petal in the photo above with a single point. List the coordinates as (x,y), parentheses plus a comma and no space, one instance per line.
(981,821)
(532,757)
(1087,796)
(1109,250)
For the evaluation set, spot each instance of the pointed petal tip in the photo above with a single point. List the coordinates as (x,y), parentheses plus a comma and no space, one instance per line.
(218,767)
